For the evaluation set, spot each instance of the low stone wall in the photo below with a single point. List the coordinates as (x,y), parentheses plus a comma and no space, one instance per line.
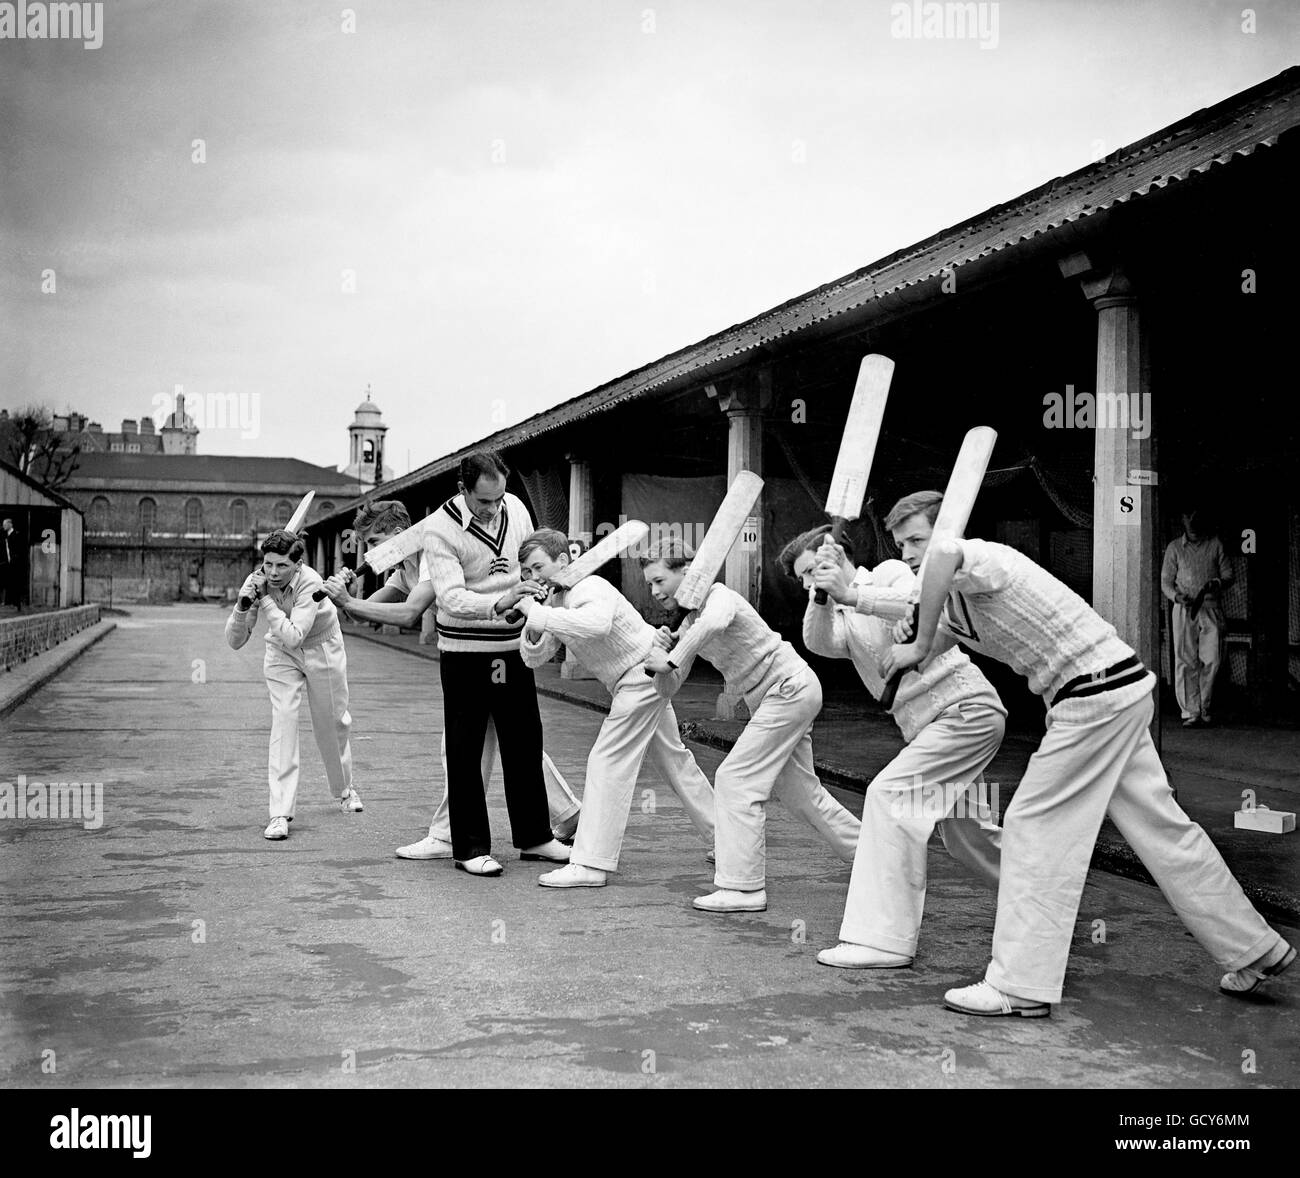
(23,636)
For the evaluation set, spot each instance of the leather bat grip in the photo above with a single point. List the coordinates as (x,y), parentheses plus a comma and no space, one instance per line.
(245,604)
(319,595)
(836,535)
(891,688)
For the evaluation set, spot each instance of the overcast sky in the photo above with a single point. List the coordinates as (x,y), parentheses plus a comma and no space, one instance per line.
(534,197)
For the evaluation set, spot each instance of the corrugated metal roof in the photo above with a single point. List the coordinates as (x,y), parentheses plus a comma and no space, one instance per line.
(53,498)
(1204,140)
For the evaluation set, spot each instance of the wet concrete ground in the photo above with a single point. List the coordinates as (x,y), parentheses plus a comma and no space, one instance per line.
(173,946)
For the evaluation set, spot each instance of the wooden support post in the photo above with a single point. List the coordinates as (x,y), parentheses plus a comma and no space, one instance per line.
(582,526)
(745,404)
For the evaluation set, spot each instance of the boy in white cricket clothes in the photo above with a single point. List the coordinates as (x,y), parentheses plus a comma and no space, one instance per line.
(1096,759)
(401,601)
(304,649)
(952,721)
(774,752)
(606,634)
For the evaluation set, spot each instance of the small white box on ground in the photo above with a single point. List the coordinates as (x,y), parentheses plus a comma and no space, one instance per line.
(1262,818)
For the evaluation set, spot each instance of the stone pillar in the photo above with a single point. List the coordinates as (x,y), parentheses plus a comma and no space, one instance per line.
(1126,551)
(745,404)
(320,557)
(582,526)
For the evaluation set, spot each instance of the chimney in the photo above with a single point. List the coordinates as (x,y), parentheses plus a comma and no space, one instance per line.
(95,428)
(59,425)
(129,426)
(179,419)
(146,425)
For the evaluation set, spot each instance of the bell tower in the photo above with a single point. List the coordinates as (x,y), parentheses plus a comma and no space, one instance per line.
(366,443)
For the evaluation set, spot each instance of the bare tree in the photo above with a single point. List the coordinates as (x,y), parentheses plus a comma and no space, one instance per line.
(29,442)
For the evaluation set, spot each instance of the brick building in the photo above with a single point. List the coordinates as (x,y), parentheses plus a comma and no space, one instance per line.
(165,527)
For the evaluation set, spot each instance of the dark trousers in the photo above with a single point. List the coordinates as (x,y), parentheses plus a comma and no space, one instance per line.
(474,687)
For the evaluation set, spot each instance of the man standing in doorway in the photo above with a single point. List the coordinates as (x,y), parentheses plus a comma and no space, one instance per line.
(471,545)
(1193,577)
(11,565)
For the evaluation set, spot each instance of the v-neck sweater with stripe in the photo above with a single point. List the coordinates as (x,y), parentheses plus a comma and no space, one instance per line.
(472,568)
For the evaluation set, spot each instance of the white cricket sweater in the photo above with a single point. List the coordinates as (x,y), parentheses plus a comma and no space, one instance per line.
(842,632)
(727,631)
(293,620)
(1004,605)
(597,623)
(472,568)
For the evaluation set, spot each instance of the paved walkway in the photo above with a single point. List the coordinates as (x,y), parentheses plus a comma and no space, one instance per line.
(173,946)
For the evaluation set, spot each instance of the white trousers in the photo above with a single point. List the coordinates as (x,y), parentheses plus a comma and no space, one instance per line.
(937,779)
(640,722)
(563,803)
(1097,760)
(774,757)
(323,671)
(1198,652)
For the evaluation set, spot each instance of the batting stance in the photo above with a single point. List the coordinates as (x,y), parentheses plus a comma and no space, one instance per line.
(472,546)
(952,720)
(402,601)
(1096,759)
(606,634)
(304,649)
(774,752)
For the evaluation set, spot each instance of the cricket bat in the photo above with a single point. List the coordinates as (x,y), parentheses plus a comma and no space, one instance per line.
(954,515)
(385,556)
(719,540)
(858,446)
(300,513)
(622,538)
(295,522)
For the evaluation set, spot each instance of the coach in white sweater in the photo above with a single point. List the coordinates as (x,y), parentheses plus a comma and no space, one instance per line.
(471,544)
(606,634)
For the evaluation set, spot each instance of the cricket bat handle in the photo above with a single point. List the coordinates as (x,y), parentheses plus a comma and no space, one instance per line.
(348,575)
(515,616)
(891,687)
(836,535)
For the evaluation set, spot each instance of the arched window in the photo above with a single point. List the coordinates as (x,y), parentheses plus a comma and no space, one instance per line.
(193,515)
(239,517)
(99,514)
(368,453)
(283,510)
(148,516)
(326,507)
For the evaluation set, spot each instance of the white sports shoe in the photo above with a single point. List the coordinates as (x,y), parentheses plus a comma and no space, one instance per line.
(574,875)
(479,865)
(725,900)
(278,828)
(847,955)
(984,999)
(1251,979)
(552,852)
(427,848)
(350,802)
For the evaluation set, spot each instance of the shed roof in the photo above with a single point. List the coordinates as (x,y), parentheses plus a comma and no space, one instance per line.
(1204,140)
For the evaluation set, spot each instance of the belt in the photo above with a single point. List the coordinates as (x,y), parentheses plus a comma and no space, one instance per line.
(1120,674)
